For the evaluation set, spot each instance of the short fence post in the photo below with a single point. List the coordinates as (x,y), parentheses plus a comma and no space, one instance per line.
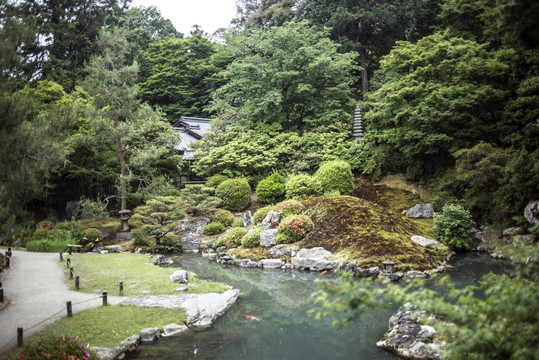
(68,262)
(77,282)
(121,288)
(71,273)
(104,298)
(69,250)
(7,261)
(69,309)
(20,342)
(61,257)
(9,253)
(1,295)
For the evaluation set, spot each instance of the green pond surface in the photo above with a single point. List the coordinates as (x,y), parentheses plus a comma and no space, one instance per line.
(280,300)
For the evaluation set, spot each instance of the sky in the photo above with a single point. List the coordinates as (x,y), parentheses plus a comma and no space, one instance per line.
(209,14)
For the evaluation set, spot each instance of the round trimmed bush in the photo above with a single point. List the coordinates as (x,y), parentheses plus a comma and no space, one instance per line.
(290,207)
(261,213)
(235,194)
(233,237)
(271,189)
(453,226)
(303,186)
(215,180)
(294,228)
(336,176)
(214,228)
(252,238)
(222,216)
(238,223)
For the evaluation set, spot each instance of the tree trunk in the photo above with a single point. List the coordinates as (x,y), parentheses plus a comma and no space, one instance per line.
(120,151)
(364,74)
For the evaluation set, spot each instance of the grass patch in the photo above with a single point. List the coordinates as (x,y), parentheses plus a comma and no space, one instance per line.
(104,272)
(48,245)
(106,326)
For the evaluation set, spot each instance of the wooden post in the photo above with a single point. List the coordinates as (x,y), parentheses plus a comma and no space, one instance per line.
(104,298)
(20,337)
(69,309)
(61,257)
(1,295)
(7,261)
(69,250)
(121,288)
(77,279)
(71,273)
(68,262)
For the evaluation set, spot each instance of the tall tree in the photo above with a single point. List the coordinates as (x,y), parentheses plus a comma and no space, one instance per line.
(292,75)
(267,13)
(179,75)
(112,83)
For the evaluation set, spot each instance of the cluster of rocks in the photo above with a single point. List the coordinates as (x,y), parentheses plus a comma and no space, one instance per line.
(410,339)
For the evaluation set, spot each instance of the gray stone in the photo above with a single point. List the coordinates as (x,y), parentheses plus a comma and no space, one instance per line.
(194,225)
(315,259)
(283,250)
(203,309)
(183,288)
(114,353)
(509,233)
(420,211)
(149,335)
(131,343)
(162,260)
(372,271)
(245,263)
(268,237)
(531,212)
(179,276)
(225,259)
(392,276)
(416,275)
(113,248)
(247,219)
(270,263)
(123,236)
(72,209)
(104,232)
(423,241)
(271,220)
(190,241)
(173,329)
(522,240)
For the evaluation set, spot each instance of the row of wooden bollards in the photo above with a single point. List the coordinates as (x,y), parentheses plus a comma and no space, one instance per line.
(5,265)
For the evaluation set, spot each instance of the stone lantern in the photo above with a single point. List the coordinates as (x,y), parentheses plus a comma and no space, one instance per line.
(389,266)
(124,217)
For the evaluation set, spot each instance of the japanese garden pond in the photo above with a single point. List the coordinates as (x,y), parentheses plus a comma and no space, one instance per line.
(270,320)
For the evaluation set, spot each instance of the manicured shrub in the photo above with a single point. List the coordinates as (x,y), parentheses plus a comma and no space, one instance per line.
(303,186)
(55,348)
(198,200)
(93,210)
(222,216)
(252,238)
(453,226)
(168,244)
(73,227)
(261,213)
(271,189)
(238,223)
(294,228)
(90,237)
(41,234)
(290,207)
(140,238)
(215,180)
(232,238)
(45,224)
(336,176)
(235,194)
(214,228)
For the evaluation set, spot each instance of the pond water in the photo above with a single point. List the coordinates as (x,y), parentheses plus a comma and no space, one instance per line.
(280,299)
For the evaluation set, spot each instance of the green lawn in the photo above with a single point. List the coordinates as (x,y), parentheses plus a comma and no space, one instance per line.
(104,272)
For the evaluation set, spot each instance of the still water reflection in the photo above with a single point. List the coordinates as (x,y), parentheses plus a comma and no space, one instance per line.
(280,301)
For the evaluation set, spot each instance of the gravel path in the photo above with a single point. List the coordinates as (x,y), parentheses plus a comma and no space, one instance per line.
(37,294)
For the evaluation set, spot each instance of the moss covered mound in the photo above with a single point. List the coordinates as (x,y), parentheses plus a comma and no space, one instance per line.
(368,233)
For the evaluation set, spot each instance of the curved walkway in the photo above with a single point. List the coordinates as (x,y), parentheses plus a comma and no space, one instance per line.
(37,294)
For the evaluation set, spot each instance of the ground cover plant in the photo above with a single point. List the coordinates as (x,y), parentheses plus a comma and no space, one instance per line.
(105,271)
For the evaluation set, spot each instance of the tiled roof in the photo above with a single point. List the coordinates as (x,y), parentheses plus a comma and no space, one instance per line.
(191,130)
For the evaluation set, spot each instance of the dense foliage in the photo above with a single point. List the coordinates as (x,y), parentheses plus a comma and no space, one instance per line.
(302,186)
(252,238)
(159,216)
(235,194)
(294,228)
(453,226)
(271,189)
(335,177)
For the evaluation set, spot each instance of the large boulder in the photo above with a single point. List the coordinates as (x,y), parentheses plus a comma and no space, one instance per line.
(271,220)
(509,233)
(194,225)
(284,250)
(531,212)
(247,219)
(203,309)
(423,241)
(408,338)
(149,335)
(190,241)
(173,329)
(162,260)
(420,211)
(268,237)
(270,263)
(315,259)
(179,276)
(522,240)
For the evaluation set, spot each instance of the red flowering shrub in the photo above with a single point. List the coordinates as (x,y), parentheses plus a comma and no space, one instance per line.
(45,224)
(290,207)
(294,228)
(57,349)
